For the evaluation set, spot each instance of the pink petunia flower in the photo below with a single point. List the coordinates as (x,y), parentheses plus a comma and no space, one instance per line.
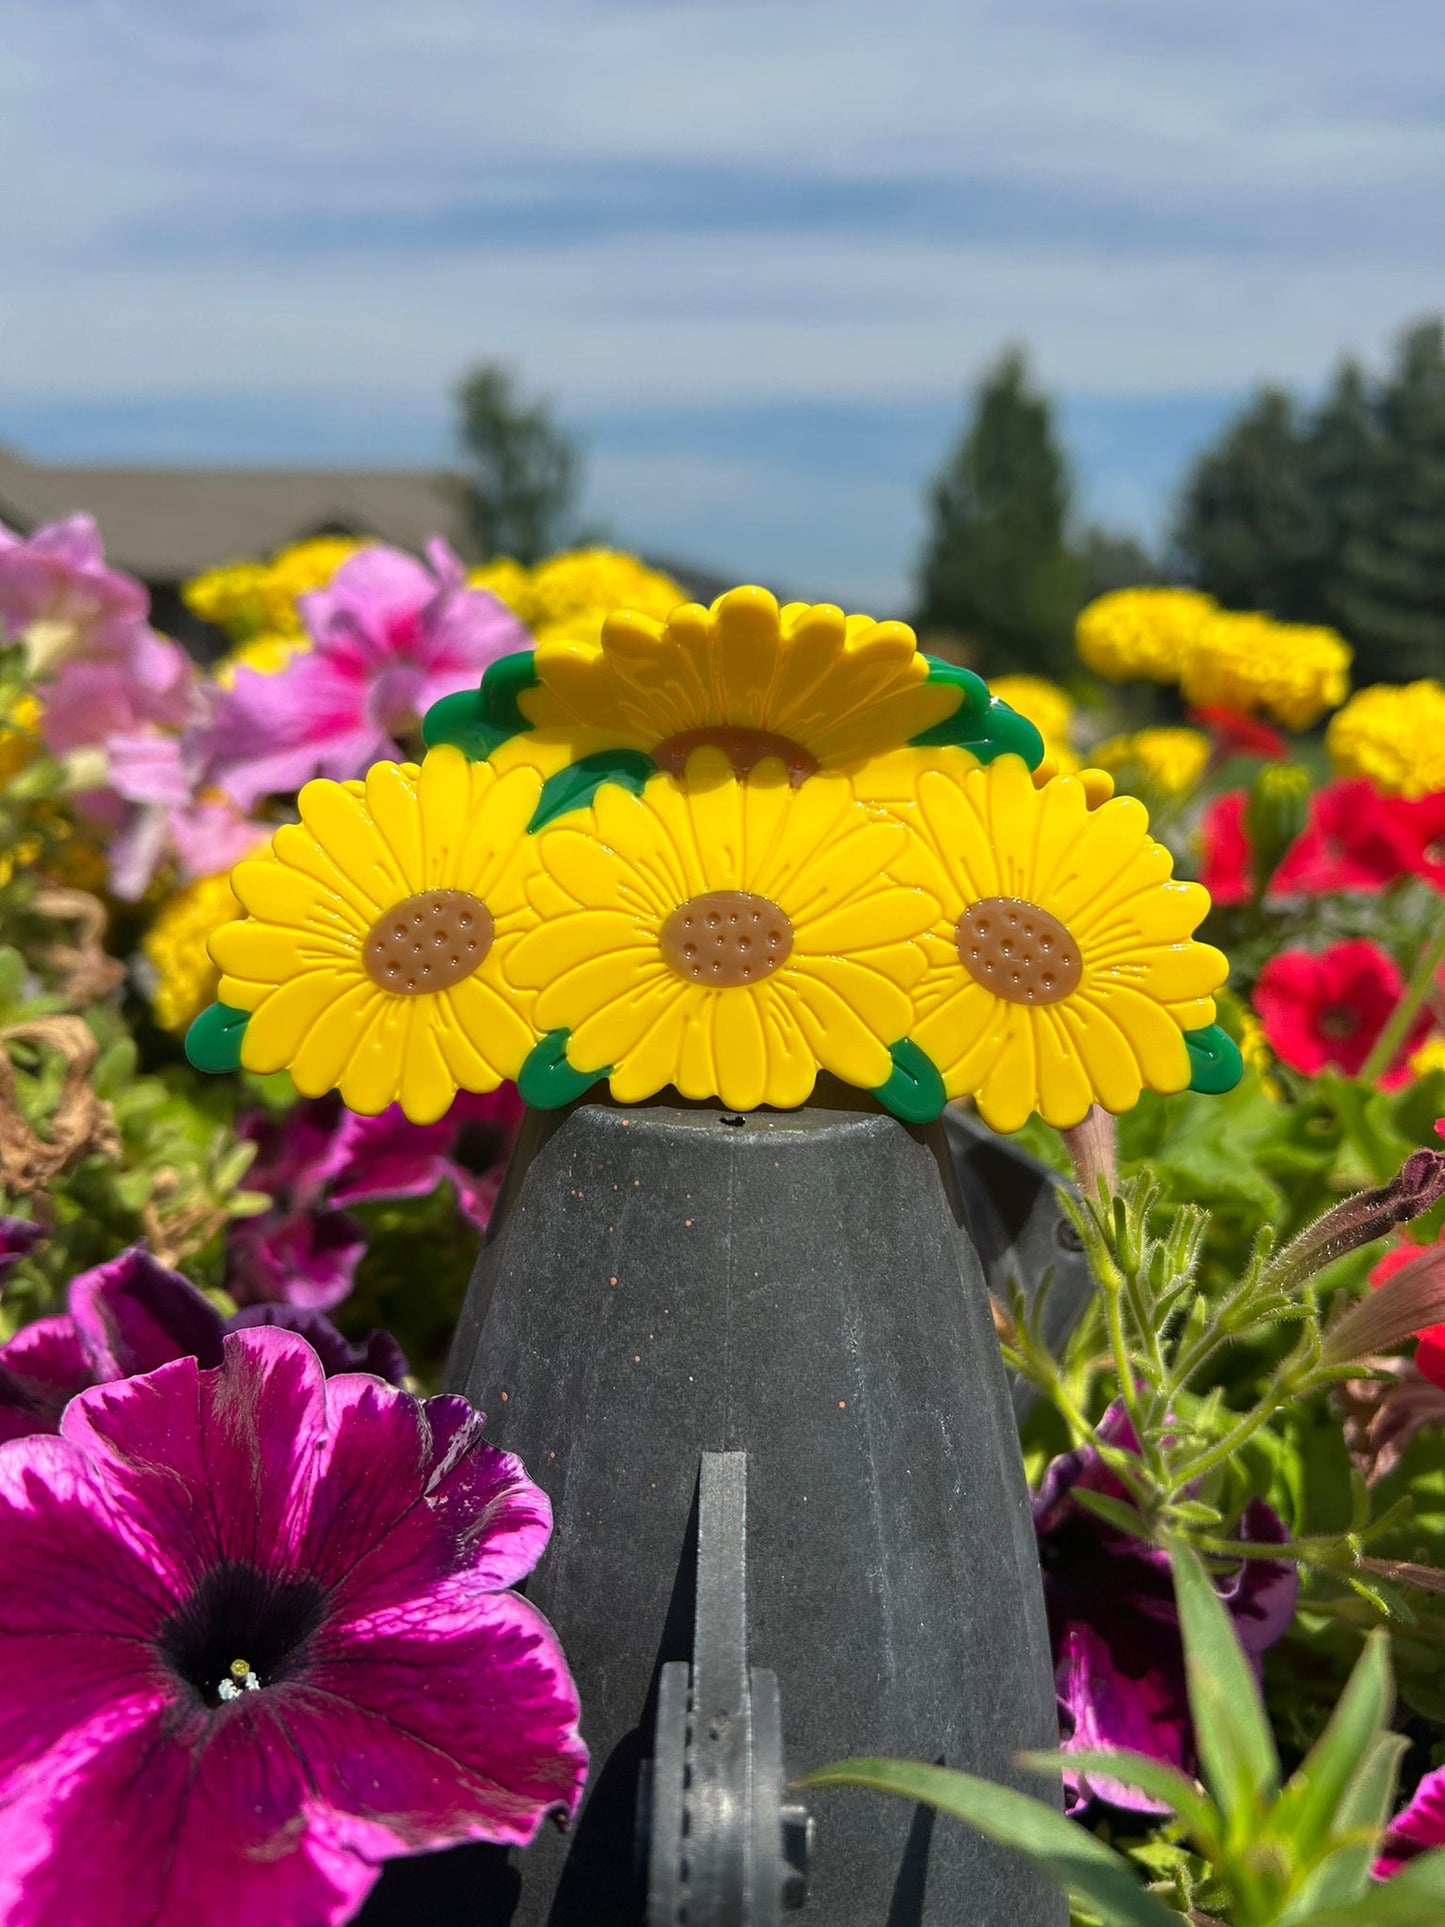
(1351,842)
(1225,866)
(1327,1007)
(171,814)
(1421,829)
(258,1641)
(133,1314)
(1418,1829)
(391,637)
(319,1159)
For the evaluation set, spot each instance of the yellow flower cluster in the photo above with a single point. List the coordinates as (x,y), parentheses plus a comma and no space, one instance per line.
(1050,710)
(266,655)
(1168,761)
(20,736)
(1141,634)
(755,845)
(1429,1057)
(175,947)
(568,595)
(1246,663)
(254,600)
(1394,734)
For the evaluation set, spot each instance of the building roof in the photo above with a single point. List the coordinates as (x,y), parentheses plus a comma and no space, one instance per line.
(164,524)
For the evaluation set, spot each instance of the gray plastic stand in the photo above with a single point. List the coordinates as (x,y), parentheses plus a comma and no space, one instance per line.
(667,1280)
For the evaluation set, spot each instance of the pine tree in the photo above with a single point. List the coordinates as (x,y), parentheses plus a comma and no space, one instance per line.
(522,472)
(1390,591)
(997,571)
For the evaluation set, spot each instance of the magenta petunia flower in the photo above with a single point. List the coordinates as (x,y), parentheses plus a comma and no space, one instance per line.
(258,1641)
(319,1159)
(133,1314)
(1417,1829)
(1114,1625)
(390,637)
(18,1237)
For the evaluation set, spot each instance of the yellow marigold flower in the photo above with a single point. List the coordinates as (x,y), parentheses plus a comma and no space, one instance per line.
(803,683)
(1063,971)
(1394,734)
(230,596)
(1170,761)
(1049,708)
(296,571)
(267,655)
(1250,662)
(1429,1057)
(20,737)
(507,580)
(373,955)
(730,938)
(175,947)
(1134,633)
(569,594)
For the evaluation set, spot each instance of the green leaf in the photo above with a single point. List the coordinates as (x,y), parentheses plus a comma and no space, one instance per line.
(1092,1874)
(1191,1806)
(980,723)
(476,721)
(547,1081)
(914,1091)
(213,1042)
(1306,1814)
(1236,1747)
(573,788)
(1344,1874)
(1414,1897)
(1215,1064)
(1115,1512)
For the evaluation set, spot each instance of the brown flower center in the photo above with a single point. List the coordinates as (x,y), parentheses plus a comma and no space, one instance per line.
(1339,1021)
(1018,951)
(726,939)
(428,942)
(744,749)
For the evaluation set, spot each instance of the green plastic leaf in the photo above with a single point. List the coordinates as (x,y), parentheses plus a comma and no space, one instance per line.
(547,1081)
(213,1042)
(914,1091)
(1192,1807)
(1092,1874)
(980,723)
(1215,1065)
(1414,1897)
(1236,1747)
(1306,1814)
(573,788)
(476,721)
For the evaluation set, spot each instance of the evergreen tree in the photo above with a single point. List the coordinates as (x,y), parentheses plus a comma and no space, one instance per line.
(1389,595)
(522,472)
(997,570)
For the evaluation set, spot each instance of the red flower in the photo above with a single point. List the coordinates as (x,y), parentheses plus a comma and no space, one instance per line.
(1420,830)
(1236,735)
(1328,1007)
(1225,870)
(1351,842)
(1430,1345)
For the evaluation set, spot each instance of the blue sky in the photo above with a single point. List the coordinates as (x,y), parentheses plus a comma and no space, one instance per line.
(756,251)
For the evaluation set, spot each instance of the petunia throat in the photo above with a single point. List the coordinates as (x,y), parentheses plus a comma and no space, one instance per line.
(238,1610)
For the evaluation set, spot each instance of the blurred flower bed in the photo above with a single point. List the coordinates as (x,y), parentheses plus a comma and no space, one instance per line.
(149,1214)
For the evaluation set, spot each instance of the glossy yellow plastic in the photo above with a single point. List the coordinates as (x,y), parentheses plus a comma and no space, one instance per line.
(325,897)
(626,885)
(833,688)
(1034,1037)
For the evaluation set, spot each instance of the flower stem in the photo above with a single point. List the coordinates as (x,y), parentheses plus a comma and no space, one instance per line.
(1420,986)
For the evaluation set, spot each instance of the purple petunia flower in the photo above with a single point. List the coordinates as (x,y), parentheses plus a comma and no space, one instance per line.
(257,1642)
(18,1237)
(319,1159)
(1114,1625)
(391,636)
(131,1315)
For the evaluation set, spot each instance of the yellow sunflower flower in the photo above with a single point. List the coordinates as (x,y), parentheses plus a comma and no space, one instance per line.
(806,684)
(1062,967)
(1394,733)
(1133,634)
(374,955)
(1246,663)
(730,938)
(175,948)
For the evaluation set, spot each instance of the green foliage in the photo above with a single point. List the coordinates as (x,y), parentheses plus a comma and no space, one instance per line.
(522,473)
(998,571)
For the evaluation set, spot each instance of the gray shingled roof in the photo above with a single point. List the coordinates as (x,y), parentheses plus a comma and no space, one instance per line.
(164,524)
